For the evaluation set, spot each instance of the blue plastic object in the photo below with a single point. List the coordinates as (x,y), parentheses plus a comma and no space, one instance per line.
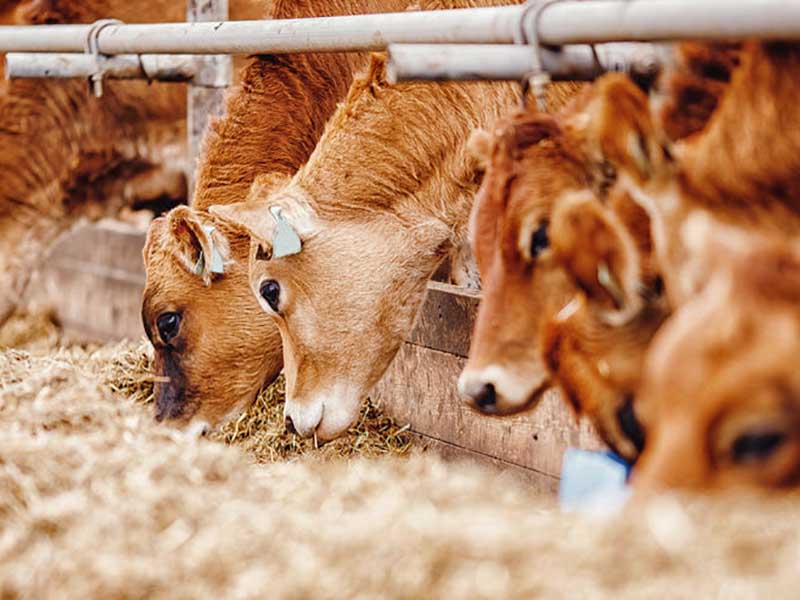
(593,482)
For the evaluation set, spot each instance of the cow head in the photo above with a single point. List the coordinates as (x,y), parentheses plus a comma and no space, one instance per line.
(324,284)
(529,165)
(214,347)
(577,305)
(720,399)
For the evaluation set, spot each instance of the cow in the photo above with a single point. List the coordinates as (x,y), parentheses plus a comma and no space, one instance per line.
(382,200)
(740,174)
(720,397)
(544,315)
(214,346)
(66,155)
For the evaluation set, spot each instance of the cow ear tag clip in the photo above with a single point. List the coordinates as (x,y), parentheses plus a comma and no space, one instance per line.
(285,240)
(217,264)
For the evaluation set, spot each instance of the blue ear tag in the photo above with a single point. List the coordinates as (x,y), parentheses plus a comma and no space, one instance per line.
(593,482)
(285,240)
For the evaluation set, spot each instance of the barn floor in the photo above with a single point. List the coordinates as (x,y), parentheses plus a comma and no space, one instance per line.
(96,501)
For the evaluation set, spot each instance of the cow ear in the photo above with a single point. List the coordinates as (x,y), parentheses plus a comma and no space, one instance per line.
(619,129)
(598,254)
(479,148)
(251,218)
(196,245)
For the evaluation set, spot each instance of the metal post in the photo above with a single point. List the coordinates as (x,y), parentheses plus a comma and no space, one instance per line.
(560,23)
(207,91)
(443,62)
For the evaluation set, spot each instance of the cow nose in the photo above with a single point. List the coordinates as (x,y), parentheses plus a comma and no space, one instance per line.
(289,424)
(485,398)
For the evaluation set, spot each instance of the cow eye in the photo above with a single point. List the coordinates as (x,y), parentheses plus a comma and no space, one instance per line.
(168,325)
(539,240)
(271,292)
(750,448)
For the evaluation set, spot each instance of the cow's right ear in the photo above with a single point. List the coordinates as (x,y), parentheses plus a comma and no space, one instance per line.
(598,254)
(619,130)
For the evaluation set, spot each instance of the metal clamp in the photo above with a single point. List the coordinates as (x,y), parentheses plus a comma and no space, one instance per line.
(92,46)
(528,34)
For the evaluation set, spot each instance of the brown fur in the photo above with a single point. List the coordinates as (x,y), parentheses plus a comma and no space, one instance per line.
(65,154)
(384,196)
(551,170)
(723,371)
(227,347)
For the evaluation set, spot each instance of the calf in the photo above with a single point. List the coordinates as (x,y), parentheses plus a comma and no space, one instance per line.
(213,343)
(545,222)
(720,400)
(383,199)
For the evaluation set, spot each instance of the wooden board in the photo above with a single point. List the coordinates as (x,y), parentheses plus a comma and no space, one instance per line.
(93,280)
(420,389)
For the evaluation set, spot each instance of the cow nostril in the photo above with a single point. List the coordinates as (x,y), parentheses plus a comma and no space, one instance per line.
(486,398)
(289,424)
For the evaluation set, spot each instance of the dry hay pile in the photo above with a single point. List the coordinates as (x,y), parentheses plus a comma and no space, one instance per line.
(96,501)
(126,369)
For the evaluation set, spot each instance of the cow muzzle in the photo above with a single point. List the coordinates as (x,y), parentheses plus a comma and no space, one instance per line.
(494,390)
(327,415)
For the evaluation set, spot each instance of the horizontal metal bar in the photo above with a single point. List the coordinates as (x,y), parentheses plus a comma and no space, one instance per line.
(559,23)
(343,33)
(172,67)
(443,62)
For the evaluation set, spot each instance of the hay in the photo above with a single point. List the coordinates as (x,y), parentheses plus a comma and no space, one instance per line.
(126,368)
(96,501)
(30,330)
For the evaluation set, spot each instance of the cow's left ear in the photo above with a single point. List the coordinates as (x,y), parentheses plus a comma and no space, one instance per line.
(619,130)
(599,254)
(199,248)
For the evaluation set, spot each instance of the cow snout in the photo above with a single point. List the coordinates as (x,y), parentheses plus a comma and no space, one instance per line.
(494,391)
(327,415)
(484,397)
(289,425)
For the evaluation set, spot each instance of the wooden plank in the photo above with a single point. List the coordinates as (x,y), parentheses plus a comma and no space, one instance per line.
(446,319)
(539,482)
(420,389)
(93,280)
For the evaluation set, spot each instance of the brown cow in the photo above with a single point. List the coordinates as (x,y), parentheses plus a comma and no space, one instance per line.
(65,154)
(212,340)
(545,221)
(383,199)
(720,400)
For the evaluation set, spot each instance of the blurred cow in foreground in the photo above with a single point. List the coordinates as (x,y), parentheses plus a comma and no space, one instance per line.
(213,343)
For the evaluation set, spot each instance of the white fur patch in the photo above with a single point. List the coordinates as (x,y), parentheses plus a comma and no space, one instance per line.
(328,415)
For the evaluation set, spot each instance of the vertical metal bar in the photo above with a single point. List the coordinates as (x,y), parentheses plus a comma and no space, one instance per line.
(205,101)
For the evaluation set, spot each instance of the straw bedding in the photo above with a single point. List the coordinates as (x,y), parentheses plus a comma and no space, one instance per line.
(97,501)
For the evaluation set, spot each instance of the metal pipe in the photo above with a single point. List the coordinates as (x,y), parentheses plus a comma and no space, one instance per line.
(560,23)
(173,67)
(323,34)
(442,62)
